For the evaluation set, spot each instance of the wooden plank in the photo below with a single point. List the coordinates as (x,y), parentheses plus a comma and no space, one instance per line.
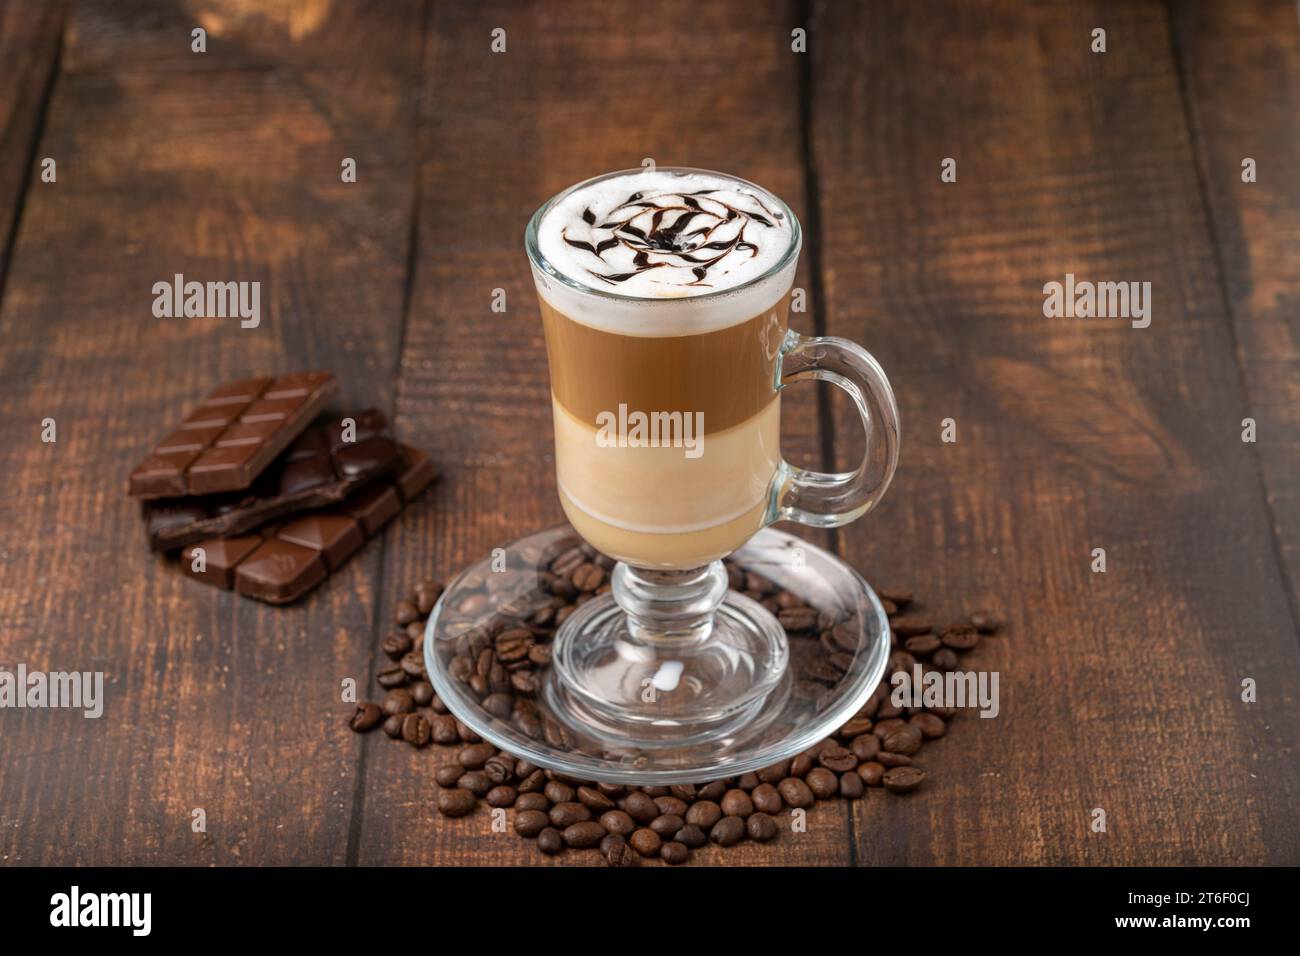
(1241,72)
(29,47)
(597,89)
(1121,690)
(220,166)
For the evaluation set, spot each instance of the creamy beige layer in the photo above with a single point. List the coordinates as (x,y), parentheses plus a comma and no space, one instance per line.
(656,507)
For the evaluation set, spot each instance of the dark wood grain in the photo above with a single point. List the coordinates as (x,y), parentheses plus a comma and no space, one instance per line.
(30,37)
(220,166)
(600,87)
(1241,71)
(1120,690)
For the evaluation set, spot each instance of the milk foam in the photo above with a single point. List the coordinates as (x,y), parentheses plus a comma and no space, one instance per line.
(669,237)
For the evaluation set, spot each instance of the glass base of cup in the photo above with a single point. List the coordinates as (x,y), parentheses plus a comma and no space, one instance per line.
(649,692)
(746,696)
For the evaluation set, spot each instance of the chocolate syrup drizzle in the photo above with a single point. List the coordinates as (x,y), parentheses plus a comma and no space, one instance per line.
(670,229)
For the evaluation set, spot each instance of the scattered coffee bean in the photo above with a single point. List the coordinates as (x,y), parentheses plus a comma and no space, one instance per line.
(501,796)
(903,740)
(640,808)
(583,835)
(396,646)
(366,717)
(736,803)
(851,786)
(822,782)
(667,825)
(705,813)
(761,828)
(532,801)
(728,831)
(618,854)
(766,799)
(692,836)
(986,622)
(674,853)
(415,730)
(645,841)
(398,701)
(566,814)
(455,802)
(871,773)
(476,782)
(529,823)
(930,725)
(796,793)
(903,779)
(550,841)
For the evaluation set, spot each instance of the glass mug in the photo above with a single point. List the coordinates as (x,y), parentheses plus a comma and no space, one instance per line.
(667,435)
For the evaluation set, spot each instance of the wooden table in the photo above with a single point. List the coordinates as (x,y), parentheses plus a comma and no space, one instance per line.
(1120,690)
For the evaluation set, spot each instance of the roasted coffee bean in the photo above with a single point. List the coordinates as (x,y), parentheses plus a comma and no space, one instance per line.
(397,645)
(908,626)
(865,747)
(476,782)
(747,782)
(413,665)
(728,831)
(890,607)
(618,854)
(532,801)
(898,597)
(448,774)
(796,793)
(800,765)
(617,821)
(766,799)
(455,802)
(683,791)
(540,654)
(611,840)
(393,725)
(566,814)
(535,782)
(640,808)
(851,786)
(612,790)
(415,730)
(960,637)
(667,824)
(426,596)
(583,835)
(460,668)
(588,577)
(529,823)
(594,799)
(884,728)
(822,782)
(712,791)
(475,756)
(691,836)
(761,828)
(930,725)
(891,760)
(775,773)
(645,841)
(444,730)
(671,805)
(901,662)
(406,613)
(655,793)
(855,727)
(499,706)
(422,693)
(871,773)
(473,605)
(798,619)
(398,701)
(415,631)
(922,645)
(366,716)
(674,853)
(550,841)
(736,803)
(703,813)
(391,676)
(558,792)
(500,768)
(838,759)
(903,779)
(986,622)
(903,740)
(502,795)
(945,659)
(887,710)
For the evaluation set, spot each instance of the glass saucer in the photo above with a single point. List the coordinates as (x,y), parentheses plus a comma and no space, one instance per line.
(487,651)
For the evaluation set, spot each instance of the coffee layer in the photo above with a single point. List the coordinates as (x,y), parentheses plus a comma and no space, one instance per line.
(727,374)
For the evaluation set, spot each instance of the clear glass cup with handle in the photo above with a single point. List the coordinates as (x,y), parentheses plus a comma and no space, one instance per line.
(667,425)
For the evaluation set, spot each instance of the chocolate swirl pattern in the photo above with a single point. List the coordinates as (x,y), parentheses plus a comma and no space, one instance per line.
(666,234)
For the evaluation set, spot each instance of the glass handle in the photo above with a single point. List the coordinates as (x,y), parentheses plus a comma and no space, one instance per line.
(822,499)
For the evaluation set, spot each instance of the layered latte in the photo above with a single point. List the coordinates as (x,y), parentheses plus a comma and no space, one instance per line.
(665,298)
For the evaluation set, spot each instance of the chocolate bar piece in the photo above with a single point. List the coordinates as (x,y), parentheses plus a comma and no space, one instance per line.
(228,440)
(324,466)
(282,562)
